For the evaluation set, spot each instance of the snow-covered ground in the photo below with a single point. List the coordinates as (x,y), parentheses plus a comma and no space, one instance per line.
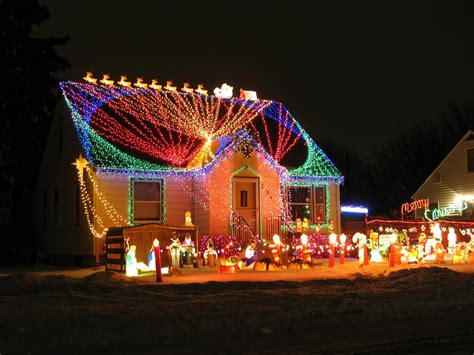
(338,310)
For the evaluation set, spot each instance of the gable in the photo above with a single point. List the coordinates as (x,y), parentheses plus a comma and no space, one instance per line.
(170,131)
(456,160)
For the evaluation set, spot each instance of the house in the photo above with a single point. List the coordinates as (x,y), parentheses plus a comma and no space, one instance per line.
(140,155)
(450,187)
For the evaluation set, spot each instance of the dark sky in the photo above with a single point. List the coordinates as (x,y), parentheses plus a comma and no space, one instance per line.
(350,72)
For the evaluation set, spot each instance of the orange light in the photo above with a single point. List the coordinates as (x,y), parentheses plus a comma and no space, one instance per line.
(106,80)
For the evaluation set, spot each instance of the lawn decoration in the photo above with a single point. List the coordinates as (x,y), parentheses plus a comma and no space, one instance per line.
(361,240)
(266,264)
(228,265)
(332,252)
(175,251)
(299,264)
(210,254)
(187,251)
(342,248)
(131,268)
(452,238)
(251,253)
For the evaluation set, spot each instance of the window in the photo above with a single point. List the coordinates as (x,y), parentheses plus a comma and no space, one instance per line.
(470,160)
(320,204)
(307,202)
(77,204)
(147,201)
(433,205)
(56,206)
(437,177)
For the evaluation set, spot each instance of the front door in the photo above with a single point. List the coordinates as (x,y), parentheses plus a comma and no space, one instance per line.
(245,201)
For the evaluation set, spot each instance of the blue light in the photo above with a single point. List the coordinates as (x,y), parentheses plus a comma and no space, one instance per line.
(355,209)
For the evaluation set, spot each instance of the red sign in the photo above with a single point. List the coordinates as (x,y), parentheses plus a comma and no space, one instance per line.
(409,207)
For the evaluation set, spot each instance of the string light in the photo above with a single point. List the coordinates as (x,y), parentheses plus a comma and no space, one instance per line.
(90,210)
(143,132)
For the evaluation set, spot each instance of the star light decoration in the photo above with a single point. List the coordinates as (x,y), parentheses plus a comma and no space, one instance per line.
(94,220)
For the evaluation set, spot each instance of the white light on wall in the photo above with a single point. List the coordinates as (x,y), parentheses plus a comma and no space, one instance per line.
(460,198)
(355,209)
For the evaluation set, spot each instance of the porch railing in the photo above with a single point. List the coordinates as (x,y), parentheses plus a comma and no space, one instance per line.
(240,229)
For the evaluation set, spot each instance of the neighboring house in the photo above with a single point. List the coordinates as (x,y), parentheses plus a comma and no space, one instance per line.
(151,155)
(450,187)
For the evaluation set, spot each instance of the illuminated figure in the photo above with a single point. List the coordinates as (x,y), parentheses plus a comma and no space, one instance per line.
(452,239)
(210,254)
(361,239)
(175,251)
(187,251)
(251,253)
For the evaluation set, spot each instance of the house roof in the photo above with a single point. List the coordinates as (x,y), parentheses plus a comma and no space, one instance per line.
(179,132)
(468,133)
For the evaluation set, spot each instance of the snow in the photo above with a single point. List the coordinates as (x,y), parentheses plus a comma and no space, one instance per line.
(342,309)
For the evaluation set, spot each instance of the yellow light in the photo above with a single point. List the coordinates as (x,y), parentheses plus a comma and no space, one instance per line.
(141,84)
(276,239)
(187,89)
(169,86)
(123,82)
(90,78)
(200,90)
(342,239)
(106,80)
(304,239)
(154,85)
(156,243)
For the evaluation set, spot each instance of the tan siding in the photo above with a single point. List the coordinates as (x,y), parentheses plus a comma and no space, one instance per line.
(201,202)
(334,206)
(455,180)
(178,200)
(115,191)
(220,189)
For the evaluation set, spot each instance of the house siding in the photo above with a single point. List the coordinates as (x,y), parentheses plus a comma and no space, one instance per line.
(220,189)
(334,206)
(454,179)
(64,237)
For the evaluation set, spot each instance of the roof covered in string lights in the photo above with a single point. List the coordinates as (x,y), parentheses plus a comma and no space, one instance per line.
(142,129)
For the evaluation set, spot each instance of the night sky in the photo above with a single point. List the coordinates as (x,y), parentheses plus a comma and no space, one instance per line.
(350,72)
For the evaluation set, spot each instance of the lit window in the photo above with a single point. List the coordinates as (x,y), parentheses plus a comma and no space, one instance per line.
(470,160)
(147,201)
(307,202)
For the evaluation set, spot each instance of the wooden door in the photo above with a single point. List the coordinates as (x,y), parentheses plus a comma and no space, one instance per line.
(246,202)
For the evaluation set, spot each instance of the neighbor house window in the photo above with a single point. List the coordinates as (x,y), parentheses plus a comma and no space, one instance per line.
(147,201)
(77,204)
(56,206)
(307,202)
(470,160)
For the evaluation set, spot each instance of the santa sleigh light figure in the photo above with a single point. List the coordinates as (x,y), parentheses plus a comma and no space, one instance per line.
(361,240)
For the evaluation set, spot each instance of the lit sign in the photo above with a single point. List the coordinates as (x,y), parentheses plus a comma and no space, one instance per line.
(354,209)
(437,213)
(409,207)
